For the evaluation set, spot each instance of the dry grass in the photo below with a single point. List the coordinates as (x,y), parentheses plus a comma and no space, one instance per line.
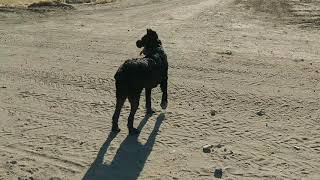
(88,1)
(275,7)
(28,2)
(305,13)
(18,2)
(104,1)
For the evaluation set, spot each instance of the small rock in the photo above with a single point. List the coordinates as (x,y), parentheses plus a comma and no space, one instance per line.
(29,171)
(207,148)
(298,60)
(260,113)
(3,87)
(225,150)
(228,52)
(219,146)
(296,147)
(213,112)
(13,162)
(218,173)
(81,142)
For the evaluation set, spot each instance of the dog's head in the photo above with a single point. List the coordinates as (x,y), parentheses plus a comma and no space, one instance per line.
(150,40)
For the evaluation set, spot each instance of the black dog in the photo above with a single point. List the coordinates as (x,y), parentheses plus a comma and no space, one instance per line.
(136,74)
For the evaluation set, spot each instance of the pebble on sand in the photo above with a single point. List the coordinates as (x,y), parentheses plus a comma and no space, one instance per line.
(207,148)
(296,147)
(261,113)
(13,162)
(218,173)
(213,112)
(228,52)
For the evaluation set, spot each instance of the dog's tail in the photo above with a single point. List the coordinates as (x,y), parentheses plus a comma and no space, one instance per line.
(121,74)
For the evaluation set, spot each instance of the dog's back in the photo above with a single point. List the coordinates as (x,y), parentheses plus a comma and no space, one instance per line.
(145,72)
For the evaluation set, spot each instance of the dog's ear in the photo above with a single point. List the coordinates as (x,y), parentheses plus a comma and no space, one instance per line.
(139,44)
(152,34)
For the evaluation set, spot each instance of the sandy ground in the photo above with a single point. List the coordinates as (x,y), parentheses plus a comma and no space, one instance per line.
(244,77)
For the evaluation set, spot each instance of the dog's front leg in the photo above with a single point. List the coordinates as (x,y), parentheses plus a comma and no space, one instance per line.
(148,101)
(164,88)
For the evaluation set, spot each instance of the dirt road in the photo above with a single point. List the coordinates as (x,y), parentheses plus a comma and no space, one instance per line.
(244,81)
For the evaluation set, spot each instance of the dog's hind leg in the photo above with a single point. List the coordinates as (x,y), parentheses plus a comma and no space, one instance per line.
(164,89)
(134,103)
(115,117)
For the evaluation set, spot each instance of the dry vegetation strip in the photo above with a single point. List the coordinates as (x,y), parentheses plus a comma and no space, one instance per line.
(278,7)
(17,2)
(303,12)
(28,2)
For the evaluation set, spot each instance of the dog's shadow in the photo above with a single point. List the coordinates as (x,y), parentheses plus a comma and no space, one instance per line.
(129,159)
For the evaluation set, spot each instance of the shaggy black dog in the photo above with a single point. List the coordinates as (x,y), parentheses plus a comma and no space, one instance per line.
(143,73)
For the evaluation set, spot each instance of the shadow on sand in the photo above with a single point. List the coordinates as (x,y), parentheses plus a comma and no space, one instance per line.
(129,159)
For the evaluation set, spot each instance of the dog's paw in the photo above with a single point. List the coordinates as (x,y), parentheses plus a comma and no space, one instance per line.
(150,112)
(164,104)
